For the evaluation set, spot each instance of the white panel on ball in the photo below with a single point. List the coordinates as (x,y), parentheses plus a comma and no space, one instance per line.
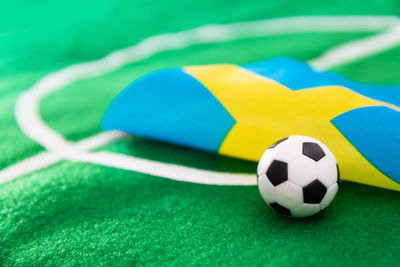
(264,162)
(305,210)
(327,172)
(288,195)
(329,196)
(302,171)
(266,189)
(287,150)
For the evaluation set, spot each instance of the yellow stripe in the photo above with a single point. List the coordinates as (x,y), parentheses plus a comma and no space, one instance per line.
(266,111)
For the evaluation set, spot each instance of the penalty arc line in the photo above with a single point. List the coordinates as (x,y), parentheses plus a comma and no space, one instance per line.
(165,170)
(29,119)
(27,106)
(358,49)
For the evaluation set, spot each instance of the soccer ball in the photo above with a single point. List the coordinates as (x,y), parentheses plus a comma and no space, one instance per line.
(298,176)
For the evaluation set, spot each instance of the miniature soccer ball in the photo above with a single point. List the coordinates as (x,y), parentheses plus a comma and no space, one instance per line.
(298,176)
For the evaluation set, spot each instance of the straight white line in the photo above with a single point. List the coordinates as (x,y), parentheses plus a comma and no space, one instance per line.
(358,49)
(31,123)
(99,140)
(48,158)
(29,165)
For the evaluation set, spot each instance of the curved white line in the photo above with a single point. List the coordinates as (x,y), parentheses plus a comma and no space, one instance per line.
(165,170)
(358,49)
(27,106)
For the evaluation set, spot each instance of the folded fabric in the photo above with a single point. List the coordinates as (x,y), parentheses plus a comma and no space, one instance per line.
(239,110)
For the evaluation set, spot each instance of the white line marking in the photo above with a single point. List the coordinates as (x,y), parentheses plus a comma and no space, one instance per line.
(358,49)
(27,110)
(29,165)
(165,170)
(99,140)
(48,158)
(31,123)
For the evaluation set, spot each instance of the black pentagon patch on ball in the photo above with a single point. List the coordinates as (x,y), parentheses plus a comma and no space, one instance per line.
(338,173)
(313,151)
(277,172)
(280,209)
(314,192)
(278,142)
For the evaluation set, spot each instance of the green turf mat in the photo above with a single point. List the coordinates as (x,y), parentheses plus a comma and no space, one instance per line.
(75,213)
(100,215)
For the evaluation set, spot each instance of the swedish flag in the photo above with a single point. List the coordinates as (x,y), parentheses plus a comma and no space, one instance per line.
(239,110)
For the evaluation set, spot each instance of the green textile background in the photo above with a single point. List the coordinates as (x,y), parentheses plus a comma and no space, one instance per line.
(82,214)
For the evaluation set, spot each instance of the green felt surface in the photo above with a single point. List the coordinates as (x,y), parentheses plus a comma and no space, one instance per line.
(75,213)
(103,215)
